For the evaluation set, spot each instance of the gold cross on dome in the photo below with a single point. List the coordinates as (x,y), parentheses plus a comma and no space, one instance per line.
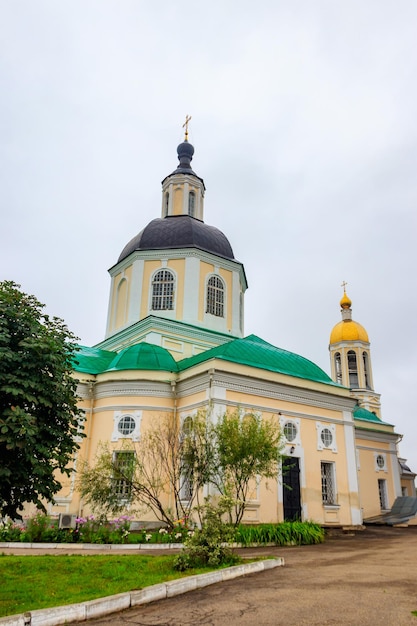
(344,285)
(185,125)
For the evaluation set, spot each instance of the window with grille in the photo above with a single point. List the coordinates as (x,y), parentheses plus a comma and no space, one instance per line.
(326,437)
(163,291)
(126,425)
(215,296)
(123,469)
(290,431)
(382,489)
(328,488)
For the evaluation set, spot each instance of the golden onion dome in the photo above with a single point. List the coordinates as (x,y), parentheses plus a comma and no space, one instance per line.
(348,330)
(345,302)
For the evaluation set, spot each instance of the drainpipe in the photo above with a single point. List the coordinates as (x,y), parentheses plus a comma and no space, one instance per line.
(91,386)
(174,417)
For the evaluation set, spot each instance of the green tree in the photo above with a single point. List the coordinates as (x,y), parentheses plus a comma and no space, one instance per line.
(248,449)
(39,418)
(163,472)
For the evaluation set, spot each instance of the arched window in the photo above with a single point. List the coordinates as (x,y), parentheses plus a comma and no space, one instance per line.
(353,369)
(366,369)
(163,291)
(215,296)
(166,203)
(338,367)
(191,203)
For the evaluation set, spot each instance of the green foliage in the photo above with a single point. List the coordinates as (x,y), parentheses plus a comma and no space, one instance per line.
(207,546)
(282,534)
(39,418)
(248,449)
(185,455)
(232,455)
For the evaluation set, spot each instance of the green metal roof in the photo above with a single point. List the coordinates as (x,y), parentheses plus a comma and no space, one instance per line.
(143,356)
(256,352)
(251,351)
(363,414)
(92,360)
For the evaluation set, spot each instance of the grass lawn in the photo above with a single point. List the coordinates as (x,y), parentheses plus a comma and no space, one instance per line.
(35,582)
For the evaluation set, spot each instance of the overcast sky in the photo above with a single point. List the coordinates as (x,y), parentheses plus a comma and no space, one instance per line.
(304,127)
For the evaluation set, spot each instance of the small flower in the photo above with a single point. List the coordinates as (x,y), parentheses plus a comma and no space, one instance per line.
(163,531)
(178,536)
(148,537)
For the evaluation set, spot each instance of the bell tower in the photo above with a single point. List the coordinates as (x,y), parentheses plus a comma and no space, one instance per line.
(183,191)
(350,358)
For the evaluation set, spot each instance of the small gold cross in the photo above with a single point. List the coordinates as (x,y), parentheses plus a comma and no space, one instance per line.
(344,285)
(185,125)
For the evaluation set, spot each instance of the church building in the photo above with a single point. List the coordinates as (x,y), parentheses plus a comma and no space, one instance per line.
(175,344)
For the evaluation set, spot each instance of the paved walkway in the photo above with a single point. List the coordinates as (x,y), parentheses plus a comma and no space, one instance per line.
(365,579)
(369,579)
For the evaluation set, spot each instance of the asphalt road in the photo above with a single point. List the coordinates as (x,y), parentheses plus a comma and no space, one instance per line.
(365,579)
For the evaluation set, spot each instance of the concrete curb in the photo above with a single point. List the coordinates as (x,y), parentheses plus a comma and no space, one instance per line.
(104,606)
(16,545)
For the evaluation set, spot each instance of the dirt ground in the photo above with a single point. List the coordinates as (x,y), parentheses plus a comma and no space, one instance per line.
(363,579)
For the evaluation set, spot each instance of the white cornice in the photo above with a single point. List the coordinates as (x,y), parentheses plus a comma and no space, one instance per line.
(181,253)
(132,334)
(257,387)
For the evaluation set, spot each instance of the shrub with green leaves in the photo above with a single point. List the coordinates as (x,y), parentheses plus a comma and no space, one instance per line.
(282,534)
(207,546)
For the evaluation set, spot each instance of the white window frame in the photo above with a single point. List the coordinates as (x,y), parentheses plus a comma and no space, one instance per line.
(384,467)
(320,445)
(297,439)
(383,494)
(332,469)
(216,291)
(174,290)
(122,497)
(118,417)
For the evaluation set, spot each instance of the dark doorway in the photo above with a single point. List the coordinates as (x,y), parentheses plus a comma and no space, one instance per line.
(291,488)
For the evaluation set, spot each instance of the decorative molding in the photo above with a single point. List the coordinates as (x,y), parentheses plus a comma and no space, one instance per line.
(181,253)
(133,388)
(279,391)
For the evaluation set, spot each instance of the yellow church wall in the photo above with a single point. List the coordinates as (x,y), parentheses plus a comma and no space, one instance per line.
(178,266)
(369,475)
(205,270)
(177,202)
(120,301)
(227,276)
(149,267)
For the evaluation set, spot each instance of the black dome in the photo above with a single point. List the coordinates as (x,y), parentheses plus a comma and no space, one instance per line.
(179,231)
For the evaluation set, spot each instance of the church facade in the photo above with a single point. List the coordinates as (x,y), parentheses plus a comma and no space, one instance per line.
(175,345)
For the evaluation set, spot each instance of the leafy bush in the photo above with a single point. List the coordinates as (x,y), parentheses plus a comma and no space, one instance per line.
(10,531)
(282,534)
(207,546)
